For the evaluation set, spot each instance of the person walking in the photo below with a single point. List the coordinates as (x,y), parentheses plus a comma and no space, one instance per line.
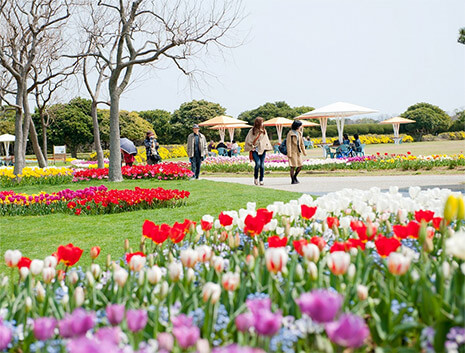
(196,150)
(295,149)
(151,148)
(257,143)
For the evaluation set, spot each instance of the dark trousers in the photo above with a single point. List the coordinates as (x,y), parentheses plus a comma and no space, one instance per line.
(195,164)
(259,164)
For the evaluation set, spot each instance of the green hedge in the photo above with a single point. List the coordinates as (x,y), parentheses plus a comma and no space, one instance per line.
(361,129)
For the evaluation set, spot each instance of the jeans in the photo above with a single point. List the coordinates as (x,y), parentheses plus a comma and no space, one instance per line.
(259,164)
(195,165)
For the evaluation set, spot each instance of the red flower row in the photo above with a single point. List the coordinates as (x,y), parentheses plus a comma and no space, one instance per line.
(162,171)
(160,233)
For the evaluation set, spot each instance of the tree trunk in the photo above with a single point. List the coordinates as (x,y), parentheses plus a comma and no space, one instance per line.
(114,173)
(44,137)
(97,144)
(35,145)
(20,150)
(74,149)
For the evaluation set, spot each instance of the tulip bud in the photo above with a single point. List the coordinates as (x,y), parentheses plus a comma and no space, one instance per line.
(73,277)
(232,242)
(48,274)
(388,227)
(428,245)
(154,275)
(28,303)
(311,252)
(164,288)
(299,272)
(415,276)
(141,278)
(126,245)
(23,272)
(230,281)
(462,268)
(338,262)
(79,295)
(108,263)
(136,263)
(255,252)
(223,236)
(50,261)
(142,244)
(120,276)
(211,291)
(4,281)
(460,208)
(190,275)
(94,252)
(40,292)
(60,275)
(90,279)
(189,257)
(250,261)
(276,259)
(175,271)
(204,253)
(398,264)
(36,267)
(261,247)
(362,292)
(446,269)
(95,269)
(451,208)
(65,300)
(12,257)
(351,271)
(312,270)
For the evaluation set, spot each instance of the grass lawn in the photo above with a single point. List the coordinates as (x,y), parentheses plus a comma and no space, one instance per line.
(39,236)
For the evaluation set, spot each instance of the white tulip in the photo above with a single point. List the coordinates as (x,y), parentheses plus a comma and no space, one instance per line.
(190,275)
(446,269)
(211,291)
(40,291)
(73,277)
(218,263)
(312,269)
(79,296)
(23,272)
(90,278)
(96,270)
(311,252)
(455,245)
(12,257)
(48,274)
(204,253)
(120,276)
(36,267)
(28,303)
(189,257)
(362,292)
(351,271)
(137,262)
(154,275)
(175,271)
(50,261)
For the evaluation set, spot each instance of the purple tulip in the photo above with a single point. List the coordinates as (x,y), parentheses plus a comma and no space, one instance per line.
(320,304)
(267,323)
(244,321)
(165,341)
(349,331)
(109,334)
(186,336)
(115,313)
(82,322)
(182,320)
(64,326)
(5,337)
(44,328)
(87,345)
(136,319)
(256,305)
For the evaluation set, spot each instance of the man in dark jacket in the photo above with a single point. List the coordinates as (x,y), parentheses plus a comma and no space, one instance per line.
(196,150)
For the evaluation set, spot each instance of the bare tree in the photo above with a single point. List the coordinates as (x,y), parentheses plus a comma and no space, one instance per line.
(145,31)
(32,32)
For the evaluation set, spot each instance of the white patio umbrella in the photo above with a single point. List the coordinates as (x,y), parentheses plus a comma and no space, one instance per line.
(231,129)
(396,121)
(279,122)
(222,122)
(339,111)
(6,139)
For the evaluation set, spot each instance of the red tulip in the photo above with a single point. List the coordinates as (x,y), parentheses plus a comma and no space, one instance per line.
(307,212)
(225,220)
(148,229)
(176,234)
(424,215)
(332,221)
(413,229)
(338,246)
(254,225)
(355,243)
(299,244)
(69,254)
(365,232)
(206,225)
(94,252)
(265,215)
(318,241)
(277,242)
(386,245)
(437,222)
(400,231)
(24,262)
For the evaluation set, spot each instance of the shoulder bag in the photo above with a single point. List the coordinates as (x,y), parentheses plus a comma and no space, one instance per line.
(254,142)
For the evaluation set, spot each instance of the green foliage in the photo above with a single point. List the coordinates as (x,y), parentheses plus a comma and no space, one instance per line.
(160,120)
(461,38)
(72,124)
(361,129)
(132,126)
(191,113)
(459,123)
(429,119)
(7,121)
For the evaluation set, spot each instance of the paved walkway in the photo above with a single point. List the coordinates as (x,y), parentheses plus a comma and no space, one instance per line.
(323,185)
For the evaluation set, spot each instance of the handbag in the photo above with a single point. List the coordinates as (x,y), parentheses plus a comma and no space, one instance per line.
(155,157)
(253,144)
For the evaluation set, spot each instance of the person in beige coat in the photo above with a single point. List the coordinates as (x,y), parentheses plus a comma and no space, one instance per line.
(257,142)
(295,149)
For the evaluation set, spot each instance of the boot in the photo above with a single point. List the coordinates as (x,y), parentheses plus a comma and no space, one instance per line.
(293,180)
(295,175)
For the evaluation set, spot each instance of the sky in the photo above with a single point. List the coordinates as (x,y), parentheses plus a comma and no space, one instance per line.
(381,54)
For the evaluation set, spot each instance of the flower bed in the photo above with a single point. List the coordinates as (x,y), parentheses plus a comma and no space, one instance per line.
(81,163)
(355,270)
(162,171)
(91,200)
(374,162)
(35,175)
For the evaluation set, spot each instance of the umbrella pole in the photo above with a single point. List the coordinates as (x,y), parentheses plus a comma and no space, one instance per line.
(6,144)
(222,131)
(396,127)
(231,133)
(340,127)
(279,130)
(323,124)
